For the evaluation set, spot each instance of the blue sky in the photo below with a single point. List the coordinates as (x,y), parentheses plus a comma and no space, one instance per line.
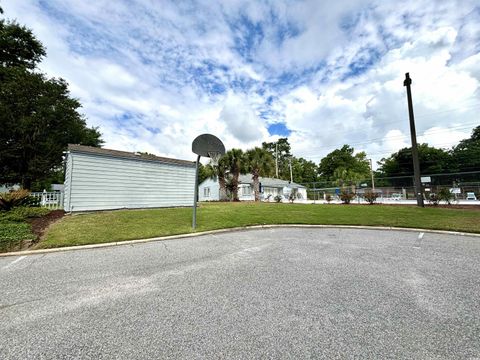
(152,75)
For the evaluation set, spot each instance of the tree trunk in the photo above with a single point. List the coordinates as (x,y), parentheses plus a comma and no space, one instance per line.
(256,187)
(223,189)
(235,187)
(26,182)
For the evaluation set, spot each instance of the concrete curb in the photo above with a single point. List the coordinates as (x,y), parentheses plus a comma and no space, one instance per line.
(253,227)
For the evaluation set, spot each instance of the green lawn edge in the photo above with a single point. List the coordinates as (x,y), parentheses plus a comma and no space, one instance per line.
(121,225)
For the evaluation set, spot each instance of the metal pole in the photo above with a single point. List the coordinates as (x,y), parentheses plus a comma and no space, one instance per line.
(276,159)
(195,196)
(371,173)
(291,174)
(413,134)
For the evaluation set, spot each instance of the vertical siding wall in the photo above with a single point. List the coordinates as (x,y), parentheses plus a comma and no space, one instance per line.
(103,182)
(68,181)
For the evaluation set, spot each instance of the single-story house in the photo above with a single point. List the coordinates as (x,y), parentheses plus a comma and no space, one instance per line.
(209,190)
(103,179)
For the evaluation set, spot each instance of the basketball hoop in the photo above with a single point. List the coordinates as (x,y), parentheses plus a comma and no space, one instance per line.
(214,157)
(207,145)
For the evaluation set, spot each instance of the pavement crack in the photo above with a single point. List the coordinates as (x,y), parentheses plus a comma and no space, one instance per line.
(6,306)
(166,247)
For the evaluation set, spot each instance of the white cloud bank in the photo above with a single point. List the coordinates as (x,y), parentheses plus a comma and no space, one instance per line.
(154,76)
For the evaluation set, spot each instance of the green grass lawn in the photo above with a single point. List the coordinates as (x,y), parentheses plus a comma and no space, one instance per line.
(121,225)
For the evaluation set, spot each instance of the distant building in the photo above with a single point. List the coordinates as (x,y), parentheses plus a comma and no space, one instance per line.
(103,179)
(5,188)
(209,190)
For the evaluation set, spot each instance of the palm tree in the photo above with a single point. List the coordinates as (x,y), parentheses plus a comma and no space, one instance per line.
(219,171)
(259,163)
(234,161)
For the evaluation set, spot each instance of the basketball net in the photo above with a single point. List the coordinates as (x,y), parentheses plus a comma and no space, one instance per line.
(214,157)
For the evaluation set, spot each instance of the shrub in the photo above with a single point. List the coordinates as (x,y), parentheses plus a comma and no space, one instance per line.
(346,197)
(370,197)
(12,199)
(445,195)
(20,214)
(277,198)
(291,198)
(328,197)
(433,199)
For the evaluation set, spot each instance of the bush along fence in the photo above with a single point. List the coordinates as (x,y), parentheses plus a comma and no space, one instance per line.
(17,208)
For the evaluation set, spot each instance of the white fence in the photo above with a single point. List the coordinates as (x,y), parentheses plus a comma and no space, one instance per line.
(50,200)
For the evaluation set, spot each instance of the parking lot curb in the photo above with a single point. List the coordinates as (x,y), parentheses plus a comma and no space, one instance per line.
(219,231)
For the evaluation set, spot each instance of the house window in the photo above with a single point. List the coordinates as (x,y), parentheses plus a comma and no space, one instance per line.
(246,191)
(206,192)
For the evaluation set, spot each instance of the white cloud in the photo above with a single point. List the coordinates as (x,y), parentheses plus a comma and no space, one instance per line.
(153,76)
(241,121)
(370,111)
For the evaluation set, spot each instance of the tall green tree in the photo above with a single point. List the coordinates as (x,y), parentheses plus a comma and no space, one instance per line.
(343,161)
(204,172)
(18,46)
(235,163)
(38,116)
(432,161)
(259,162)
(304,171)
(281,149)
(219,172)
(466,155)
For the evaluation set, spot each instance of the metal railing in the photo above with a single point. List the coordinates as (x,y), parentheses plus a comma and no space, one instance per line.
(50,200)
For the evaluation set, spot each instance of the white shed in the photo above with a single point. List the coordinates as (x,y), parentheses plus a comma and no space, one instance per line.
(103,179)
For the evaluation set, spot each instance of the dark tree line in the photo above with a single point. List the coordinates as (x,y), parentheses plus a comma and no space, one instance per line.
(38,116)
(462,161)
(342,167)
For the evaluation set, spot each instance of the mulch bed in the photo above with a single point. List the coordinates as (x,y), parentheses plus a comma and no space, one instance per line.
(40,224)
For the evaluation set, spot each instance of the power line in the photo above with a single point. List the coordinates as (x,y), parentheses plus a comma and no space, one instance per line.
(393,137)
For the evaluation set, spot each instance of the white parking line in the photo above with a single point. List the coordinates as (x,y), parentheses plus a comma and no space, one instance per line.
(419,241)
(13,262)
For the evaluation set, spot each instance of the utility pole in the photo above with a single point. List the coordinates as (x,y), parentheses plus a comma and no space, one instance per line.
(291,173)
(371,173)
(276,159)
(413,134)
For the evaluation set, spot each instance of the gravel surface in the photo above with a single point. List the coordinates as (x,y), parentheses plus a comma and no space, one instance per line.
(275,293)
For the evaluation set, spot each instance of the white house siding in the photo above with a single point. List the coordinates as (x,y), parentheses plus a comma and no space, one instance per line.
(213,192)
(99,182)
(67,183)
(245,192)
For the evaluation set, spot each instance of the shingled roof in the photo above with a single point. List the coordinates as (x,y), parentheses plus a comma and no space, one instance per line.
(74,148)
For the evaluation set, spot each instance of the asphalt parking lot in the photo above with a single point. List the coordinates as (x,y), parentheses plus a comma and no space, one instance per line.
(272,293)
